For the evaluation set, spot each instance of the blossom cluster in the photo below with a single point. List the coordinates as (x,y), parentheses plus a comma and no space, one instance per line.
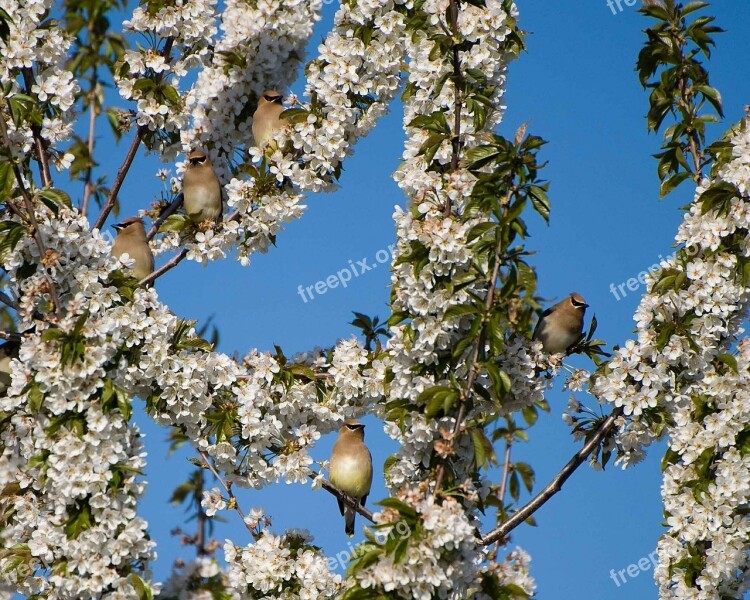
(434,248)
(70,458)
(260,48)
(32,62)
(350,86)
(68,443)
(680,372)
(280,567)
(151,76)
(438,561)
(442,556)
(706,492)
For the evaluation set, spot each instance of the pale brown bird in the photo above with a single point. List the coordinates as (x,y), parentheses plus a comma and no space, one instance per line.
(350,469)
(266,121)
(201,189)
(131,240)
(8,351)
(561,325)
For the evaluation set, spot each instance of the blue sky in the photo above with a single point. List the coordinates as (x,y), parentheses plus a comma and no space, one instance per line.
(577,87)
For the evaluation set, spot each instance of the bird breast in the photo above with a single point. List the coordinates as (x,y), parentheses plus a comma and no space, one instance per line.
(352,473)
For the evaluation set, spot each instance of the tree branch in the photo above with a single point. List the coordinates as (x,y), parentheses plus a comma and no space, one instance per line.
(171,264)
(119,178)
(29,205)
(554,486)
(506,472)
(348,500)
(92,128)
(227,487)
(36,131)
(176,203)
(129,157)
(6,299)
(11,336)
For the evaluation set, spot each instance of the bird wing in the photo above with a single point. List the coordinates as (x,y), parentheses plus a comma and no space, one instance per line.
(537,329)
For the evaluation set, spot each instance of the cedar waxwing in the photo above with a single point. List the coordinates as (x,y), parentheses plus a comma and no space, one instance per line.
(266,120)
(131,239)
(350,468)
(201,190)
(561,325)
(8,351)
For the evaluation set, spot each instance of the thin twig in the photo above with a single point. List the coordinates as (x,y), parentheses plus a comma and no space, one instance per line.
(171,264)
(11,336)
(554,486)
(227,487)
(87,186)
(119,178)
(173,206)
(36,234)
(348,500)
(36,131)
(5,299)
(506,473)
(457,83)
(129,157)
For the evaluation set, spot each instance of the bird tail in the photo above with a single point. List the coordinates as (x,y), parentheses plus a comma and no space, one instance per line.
(349,515)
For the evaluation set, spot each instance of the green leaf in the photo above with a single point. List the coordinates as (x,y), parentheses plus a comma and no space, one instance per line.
(10,234)
(399,505)
(480,156)
(671,183)
(54,199)
(141,587)
(539,201)
(729,360)
(7,181)
(35,397)
(527,475)
(174,222)
(295,115)
(113,118)
(718,197)
(484,453)
(4,28)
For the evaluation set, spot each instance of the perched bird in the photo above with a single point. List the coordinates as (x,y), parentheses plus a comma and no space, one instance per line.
(350,468)
(561,325)
(131,239)
(201,189)
(266,120)
(8,351)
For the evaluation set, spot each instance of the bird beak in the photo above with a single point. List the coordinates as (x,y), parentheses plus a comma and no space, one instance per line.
(118,226)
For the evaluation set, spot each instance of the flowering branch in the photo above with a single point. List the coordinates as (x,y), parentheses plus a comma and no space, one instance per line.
(36,234)
(129,157)
(208,464)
